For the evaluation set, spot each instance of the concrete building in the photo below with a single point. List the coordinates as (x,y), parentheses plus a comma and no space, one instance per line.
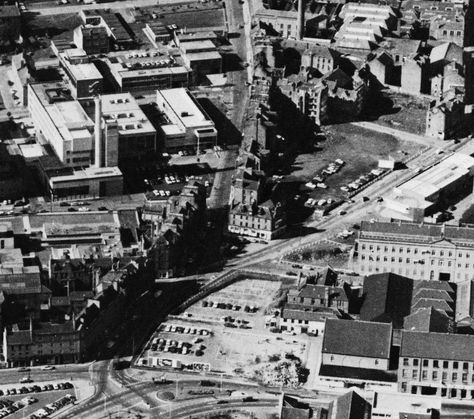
(186,124)
(90,182)
(419,251)
(438,364)
(84,77)
(201,56)
(63,123)
(415,75)
(443,184)
(93,39)
(157,33)
(138,70)
(136,135)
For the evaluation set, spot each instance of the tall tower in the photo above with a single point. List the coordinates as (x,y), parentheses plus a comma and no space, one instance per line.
(300,21)
(98,131)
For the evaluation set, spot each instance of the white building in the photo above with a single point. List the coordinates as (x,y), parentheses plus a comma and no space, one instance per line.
(187,124)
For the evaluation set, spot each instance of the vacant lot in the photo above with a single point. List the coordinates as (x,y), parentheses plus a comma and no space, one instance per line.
(358,147)
(408,113)
(239,343)
(324,253)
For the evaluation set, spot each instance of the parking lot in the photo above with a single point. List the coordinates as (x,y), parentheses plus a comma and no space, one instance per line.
(226,333)
(21,400)
(359,149)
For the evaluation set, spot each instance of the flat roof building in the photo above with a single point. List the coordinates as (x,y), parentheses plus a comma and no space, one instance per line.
(84,77)
(63,123)
(443,183)
(186,124)
(147,70)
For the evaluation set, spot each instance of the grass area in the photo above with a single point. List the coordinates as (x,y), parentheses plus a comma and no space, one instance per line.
(408,113)
(53,25)
(192,18)
(358,147)
(324,254)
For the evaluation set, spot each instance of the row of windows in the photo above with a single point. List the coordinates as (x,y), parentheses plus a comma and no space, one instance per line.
(438,364)
(436,376)
(408,260)
(408,250)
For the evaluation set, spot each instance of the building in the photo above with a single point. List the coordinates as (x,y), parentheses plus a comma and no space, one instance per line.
(157,33)
(417,250)
(441,185)
(137,70)
(84,77)
(280,22)
(62,122)
(308,320)
(186,125)
(445,117)
(438,364)
(415,75)
(136,134)
(321,58)
(118,30)
(451,29)
(319,296)
(357,344)
(42,343)
(89,182)
(93,39)
(201,56)
(364,25)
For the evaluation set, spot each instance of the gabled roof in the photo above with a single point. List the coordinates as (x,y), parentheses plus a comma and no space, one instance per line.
(427,320)
(437,304)
(386,298)
(447,52)
(339,78)
(357,338)
(446,346)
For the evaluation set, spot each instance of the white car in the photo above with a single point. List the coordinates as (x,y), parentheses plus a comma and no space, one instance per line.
(48,368)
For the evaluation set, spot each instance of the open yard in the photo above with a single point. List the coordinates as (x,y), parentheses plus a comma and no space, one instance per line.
(408,113)
(358,147)
(235,340)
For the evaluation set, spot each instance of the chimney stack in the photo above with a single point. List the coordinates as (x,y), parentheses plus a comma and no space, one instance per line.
(300,21)
(98,131)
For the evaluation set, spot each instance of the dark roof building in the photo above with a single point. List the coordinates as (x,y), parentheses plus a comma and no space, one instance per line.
(357,338)
(352,406)
(428,319)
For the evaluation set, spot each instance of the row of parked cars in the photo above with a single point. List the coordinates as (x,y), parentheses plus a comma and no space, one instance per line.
(51,408)
(173,346)
(229,306)
(8,407)
(172,328)
(35,389)
(362,180)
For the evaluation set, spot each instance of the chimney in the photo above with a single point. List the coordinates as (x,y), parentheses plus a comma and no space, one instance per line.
(98,131)
(300,21)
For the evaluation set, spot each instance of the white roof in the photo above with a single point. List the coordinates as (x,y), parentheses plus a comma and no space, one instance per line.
(86,71)
(31,150)
(438,176)
(185,107)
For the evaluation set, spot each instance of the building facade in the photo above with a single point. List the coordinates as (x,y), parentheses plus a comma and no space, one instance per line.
(419,251)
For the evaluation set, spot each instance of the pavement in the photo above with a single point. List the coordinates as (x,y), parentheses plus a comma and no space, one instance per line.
(50,8)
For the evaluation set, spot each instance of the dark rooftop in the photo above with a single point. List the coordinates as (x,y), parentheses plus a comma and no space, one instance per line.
(357,338)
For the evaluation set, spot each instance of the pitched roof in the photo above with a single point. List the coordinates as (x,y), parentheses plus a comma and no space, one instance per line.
(310,315)
(427,320)
(386,298)
(447,346)
(357,338)
(429,302)
(448,51)
(319,291)
(352,406)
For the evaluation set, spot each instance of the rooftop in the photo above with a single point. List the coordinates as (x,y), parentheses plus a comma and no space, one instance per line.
(87,173)
(445,346)
(357,338)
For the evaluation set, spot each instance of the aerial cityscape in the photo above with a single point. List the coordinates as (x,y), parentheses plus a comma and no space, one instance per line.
(230,209)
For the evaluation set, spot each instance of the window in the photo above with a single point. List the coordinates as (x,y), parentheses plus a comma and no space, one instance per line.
(444,376)
(363,247)
(441,253)
(424,375)
(414,374)
(434,375)
(406,362)
(425,362)
(400,260)
(400,250)
(408,260)
(465,365)
(415,251)
(464,377)
(415,362)
(435,364)
(408,250)
(454,377)
(445,364)
(404,387)
(455,365)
